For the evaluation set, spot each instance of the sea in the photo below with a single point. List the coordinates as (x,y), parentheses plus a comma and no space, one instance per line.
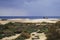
(30,17)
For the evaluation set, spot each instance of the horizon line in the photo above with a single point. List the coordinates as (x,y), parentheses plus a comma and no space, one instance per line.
(31,17)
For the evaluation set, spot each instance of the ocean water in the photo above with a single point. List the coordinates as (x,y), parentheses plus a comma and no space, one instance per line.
(30,17)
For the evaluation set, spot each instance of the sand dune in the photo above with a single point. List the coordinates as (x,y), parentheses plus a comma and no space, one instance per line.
(30,20)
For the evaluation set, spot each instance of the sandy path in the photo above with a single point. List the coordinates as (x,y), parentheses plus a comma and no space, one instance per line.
(11,37)
(42,36)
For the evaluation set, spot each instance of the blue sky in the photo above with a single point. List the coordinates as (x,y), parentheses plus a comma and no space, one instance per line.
(29,7)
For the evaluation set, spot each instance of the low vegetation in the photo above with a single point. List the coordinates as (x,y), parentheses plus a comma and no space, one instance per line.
(52,31)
